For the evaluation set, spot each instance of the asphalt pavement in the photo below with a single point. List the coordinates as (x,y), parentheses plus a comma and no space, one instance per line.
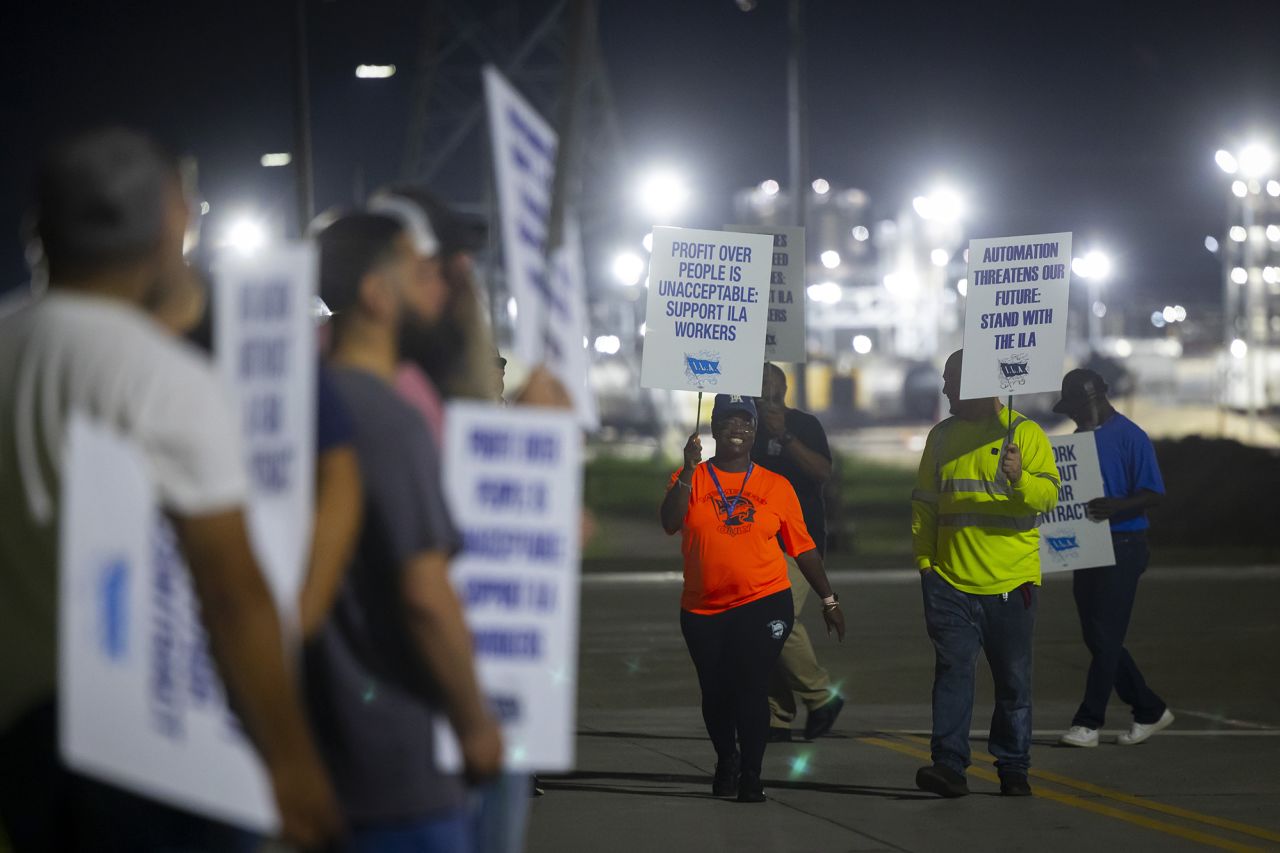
(1207,639)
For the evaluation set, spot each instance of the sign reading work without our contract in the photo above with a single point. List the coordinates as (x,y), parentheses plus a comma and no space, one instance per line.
(1068,539)
(1015,324)
(707,309)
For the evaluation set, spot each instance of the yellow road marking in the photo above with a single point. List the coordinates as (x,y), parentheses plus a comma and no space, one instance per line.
(1130,799)
(1083,804)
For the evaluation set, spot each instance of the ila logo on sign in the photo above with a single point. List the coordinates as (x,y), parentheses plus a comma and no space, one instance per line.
(113,608)
(1014,371)
(702,368)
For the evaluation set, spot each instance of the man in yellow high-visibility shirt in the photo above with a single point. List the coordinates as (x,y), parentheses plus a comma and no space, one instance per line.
(974,518)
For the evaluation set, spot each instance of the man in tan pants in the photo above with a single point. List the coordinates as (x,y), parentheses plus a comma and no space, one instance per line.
(793,443)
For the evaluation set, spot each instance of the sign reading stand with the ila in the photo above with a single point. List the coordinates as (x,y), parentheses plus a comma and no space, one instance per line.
(1015,324)
(707,310)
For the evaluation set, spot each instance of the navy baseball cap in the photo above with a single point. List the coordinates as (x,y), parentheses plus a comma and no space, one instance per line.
(728,403)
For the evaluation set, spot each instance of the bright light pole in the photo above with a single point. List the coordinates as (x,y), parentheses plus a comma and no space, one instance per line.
(1245,300)
(1094,269)
(663,194)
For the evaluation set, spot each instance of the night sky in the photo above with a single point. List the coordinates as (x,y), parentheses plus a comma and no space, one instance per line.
(1098,118)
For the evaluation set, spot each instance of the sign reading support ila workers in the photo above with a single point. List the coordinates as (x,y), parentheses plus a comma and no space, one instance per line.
(513,479)
(1068,539)
(784,338)
(1015,324)
(707,309)
(139,701)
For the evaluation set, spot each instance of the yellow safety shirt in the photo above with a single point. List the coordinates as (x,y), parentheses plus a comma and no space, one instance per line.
(968,522)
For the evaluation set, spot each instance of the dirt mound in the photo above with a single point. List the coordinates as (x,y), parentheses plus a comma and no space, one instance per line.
(1218,493)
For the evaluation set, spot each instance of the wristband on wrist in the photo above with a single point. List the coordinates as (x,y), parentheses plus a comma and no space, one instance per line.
(831,600)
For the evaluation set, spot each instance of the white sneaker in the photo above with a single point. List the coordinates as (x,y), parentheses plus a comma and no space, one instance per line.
(1079,736)
(1142,731)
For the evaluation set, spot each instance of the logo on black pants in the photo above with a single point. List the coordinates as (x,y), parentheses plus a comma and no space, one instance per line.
(777,628)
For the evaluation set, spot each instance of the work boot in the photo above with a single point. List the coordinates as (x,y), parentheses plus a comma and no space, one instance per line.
(941,780)
(1014,785)
(725,783)
(822,718)
(750,788)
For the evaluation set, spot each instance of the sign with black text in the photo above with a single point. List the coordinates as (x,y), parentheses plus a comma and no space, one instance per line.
(784,338)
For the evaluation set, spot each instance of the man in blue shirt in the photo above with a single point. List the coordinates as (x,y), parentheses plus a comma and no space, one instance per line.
(1104,595)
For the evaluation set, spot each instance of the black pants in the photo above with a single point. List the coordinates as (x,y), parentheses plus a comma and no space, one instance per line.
(45,807)
(1104,600)
(734,653)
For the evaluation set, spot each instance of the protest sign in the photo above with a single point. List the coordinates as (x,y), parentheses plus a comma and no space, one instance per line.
(140,703)
(1068,539)
(143,706)
(551,317)
(265,350)
(784,337)
(707,311)
(513,479)
(1015,325)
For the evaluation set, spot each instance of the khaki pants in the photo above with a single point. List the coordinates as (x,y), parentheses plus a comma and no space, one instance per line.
(797,672)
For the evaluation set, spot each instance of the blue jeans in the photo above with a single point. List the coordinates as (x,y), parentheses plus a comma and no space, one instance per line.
(959,625)
(1104,599)
(501,813)
(452,832)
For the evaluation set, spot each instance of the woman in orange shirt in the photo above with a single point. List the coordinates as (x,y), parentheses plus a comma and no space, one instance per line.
(735,613)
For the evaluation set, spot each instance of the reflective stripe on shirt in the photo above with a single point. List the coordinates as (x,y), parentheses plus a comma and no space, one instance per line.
(981,519)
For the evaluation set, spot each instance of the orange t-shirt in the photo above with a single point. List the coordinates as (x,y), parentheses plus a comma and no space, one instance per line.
(731,561)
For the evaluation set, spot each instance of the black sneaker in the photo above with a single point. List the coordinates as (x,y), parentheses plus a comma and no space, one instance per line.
(942,781)
(725,783)
(1014,785)
(750,788)
(821,719)
(777,734)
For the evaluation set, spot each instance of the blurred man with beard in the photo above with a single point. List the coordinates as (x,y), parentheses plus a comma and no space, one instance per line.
(396,651)
(457,356)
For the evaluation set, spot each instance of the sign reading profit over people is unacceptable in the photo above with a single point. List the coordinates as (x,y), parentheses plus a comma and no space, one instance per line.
(707,310)
(1015,323)
(784,338)
(513,479)
(1068,539)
